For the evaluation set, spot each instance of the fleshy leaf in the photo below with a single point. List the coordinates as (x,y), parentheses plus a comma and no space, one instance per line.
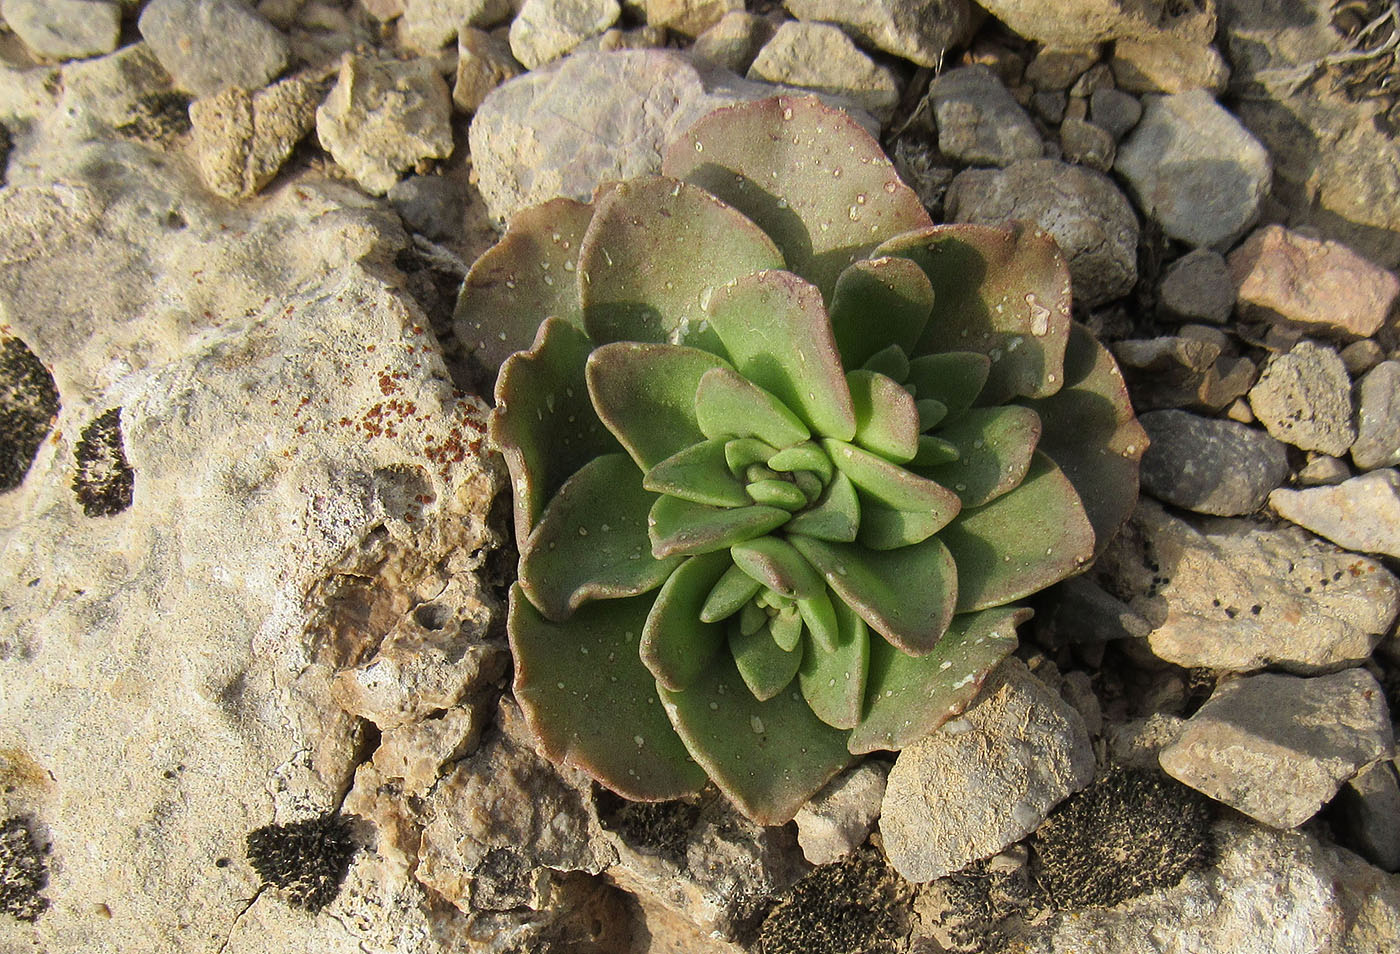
(802,457)
(906,595)
(740,452)
(994,450)
(836,515)
(645,395)
(819,614)
(768,757)
(891,484)
(1021,542)
(766,667)
(892,362)
(777,493)
(591,541)
(933,452)
(907,697)
(833,680)
(681,527)
(775,331)
(953,378)
(1003,292)
(879,302)
(676,644)
(887,420)
(699,474)
(786,628)
(931,412)
(580,684)
(884,528)
(728,596)
(528,276)
(807,174)
(543,423)
(1090,431)
(728,405)
(654,252)
(777,565)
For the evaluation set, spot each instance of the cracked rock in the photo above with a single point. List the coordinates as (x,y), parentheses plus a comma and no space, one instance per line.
(979,123)
(1361,514)
(241,139)
(1303,397)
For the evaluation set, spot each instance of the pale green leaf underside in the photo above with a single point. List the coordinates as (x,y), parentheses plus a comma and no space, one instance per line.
(676,644)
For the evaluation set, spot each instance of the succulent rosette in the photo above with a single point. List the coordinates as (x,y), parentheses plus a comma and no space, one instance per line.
(784,456)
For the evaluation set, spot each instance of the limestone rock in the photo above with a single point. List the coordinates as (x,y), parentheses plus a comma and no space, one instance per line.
(689,18)
(839,818)
(1369,810)
(241,139)
(1278,747)
(920,31)
(1210,466)
(429,25)
(383,117)
(64,29)
(1361,514)
(1195,169)
(1304,398)
(818,56)
(985,779)
(1083,210)
(1086,22)
(733,42)
(209,45)
(483,63)
(1168,65)
(1378,418)
(978,121)
(1198,287)
(545,30)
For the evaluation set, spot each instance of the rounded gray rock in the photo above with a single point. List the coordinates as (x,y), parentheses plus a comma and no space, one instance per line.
(1378,418)
(978,120)
(1208,465)
(920,31)
(1083,210)
(1197,287)
(209,45)
(65,29)
(1114,110)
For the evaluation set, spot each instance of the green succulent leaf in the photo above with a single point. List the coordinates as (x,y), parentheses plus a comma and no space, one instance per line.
(543,423)
(934,452)
(906,595)
(953,378)
(742,452)
(807,174)
(884,528)
(729,595)
(700,474)
(879,303)
(677,643)
(654,252)
(930,412)
(887,420)
(777,565)
(994,451)
(802,457)
(833,679)
(907,697)
(892,485)
(777,493)
(591,702)
(819,615)
(891,361)
(1021,542)
(786,628)
(528,276)
(766,667)
(768,757)
(591,542)
(729,406)
(790,353)
(1003,292)
(680,527)
(645,395)
(1090,431)
(834,517)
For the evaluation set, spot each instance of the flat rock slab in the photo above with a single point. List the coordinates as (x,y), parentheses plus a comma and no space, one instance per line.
(1195,169)
(1278,747)
(1236,595)
(1361,514)
(1208,465)
(209,45)
(920,31)
(985,779)
(978,121)
(1304,398)
(820,57)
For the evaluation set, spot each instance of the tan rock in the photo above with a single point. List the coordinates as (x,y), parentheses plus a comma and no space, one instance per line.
(241,139)
(819,56)
(689,18)
(484,61)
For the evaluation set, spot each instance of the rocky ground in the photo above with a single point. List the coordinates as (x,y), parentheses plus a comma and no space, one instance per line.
(253,680)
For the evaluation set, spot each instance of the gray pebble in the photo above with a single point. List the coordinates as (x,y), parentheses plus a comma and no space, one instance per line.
(1114,110)
(210,45)
(65,29)
(433,206)
(1378,418)
(1197,287)
(1208,465)
(1087,144)
(978,120)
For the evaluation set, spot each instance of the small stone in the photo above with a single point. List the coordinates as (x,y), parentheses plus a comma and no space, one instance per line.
(689,18)
(1087,144)
(241,139)
(484,61)
(1189,370)
(210,45)
(1319,285)
(733,42)
(1361,514)
(1056,68)
(819,56)
(1086,214)
(1168,65)
(1304,398)
(1195,169)
(920,31)
(978,121)
(545,30)
(416,752)
(644,37)
(1079,23)
(1322,470)
(1361,356)
(433,206)
(1114,110)
(64,29)
(840,817)
(1378,418)
(1139,742)
(429,25)
(1050,105)
(985,779)
(1278,747)
(1197,287)
(1368,812)
(1095,78)
(1210,466)
(384,117)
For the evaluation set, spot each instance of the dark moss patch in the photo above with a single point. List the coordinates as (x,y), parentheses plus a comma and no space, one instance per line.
(104,481)
(158,118)
(977,910)
(858,905)
(307,860)
(657,828)
(23,871)
(502,881)
(28,405)
(1130,832)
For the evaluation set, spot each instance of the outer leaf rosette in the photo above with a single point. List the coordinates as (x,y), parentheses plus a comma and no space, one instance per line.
(785,455)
